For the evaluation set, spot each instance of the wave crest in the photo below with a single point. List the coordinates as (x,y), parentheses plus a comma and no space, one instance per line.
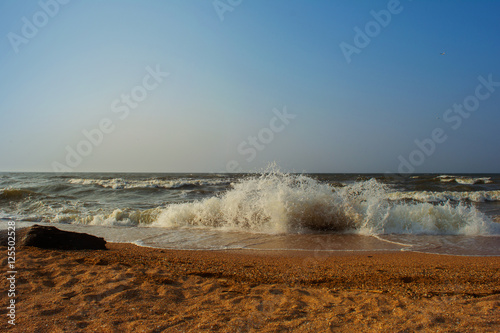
(276,202)
(119,183)
(14,194)
(464,180)
(430,196)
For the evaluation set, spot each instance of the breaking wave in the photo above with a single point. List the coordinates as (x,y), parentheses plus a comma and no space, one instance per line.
(119,217)
(271,203)
(276,202)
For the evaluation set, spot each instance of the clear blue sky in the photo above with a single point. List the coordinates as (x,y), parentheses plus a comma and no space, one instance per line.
(68,68)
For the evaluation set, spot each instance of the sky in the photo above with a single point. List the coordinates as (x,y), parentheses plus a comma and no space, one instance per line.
(335,86)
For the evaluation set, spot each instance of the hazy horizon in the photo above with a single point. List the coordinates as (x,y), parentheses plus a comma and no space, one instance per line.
(257,172)
(231,86)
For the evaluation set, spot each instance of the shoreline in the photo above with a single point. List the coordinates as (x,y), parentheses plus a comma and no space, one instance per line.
(134,288)
(363,243)
(312,252)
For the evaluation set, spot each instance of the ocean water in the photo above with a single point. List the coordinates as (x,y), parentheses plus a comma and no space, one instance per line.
(434,213)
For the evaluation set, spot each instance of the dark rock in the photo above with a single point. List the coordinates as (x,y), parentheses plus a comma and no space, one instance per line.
(47,237)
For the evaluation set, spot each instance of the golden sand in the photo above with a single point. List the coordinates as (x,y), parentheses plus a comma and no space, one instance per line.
(133,289)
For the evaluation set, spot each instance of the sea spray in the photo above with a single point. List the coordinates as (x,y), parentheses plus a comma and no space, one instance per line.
(273,202)
(276,202)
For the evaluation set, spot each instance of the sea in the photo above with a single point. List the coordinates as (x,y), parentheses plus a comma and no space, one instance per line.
(447,214)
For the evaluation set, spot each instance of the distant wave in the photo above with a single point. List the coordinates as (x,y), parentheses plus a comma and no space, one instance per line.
(13,194)
(430,196)
(464,180)
(119,183)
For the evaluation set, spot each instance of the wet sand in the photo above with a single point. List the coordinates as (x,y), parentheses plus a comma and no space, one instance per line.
(135,289)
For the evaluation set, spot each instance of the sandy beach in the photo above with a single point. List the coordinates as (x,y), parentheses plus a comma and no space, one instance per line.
(135,289)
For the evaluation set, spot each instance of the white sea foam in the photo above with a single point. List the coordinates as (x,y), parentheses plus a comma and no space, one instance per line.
(471,181)
(118,217)
(281,203)
(429,196)
(465,180)
(119,183)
